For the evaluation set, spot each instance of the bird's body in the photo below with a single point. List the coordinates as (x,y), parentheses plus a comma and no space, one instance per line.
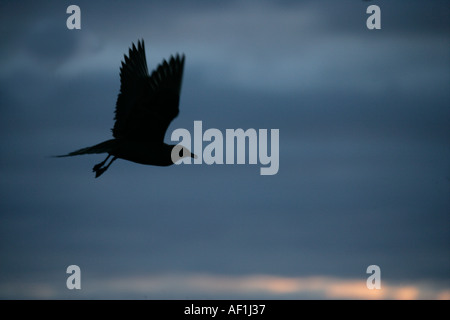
(145,107)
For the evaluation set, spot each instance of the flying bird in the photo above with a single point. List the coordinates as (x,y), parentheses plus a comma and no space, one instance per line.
(145,107)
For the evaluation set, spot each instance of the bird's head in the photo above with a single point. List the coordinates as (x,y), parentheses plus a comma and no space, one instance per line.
(179,152)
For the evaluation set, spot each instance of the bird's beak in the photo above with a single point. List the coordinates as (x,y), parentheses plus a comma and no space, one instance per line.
(194,156)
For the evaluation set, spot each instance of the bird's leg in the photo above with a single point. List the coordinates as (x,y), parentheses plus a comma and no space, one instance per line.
(99,165)
(99,171)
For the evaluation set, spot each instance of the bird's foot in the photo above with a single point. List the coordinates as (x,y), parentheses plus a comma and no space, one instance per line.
(97,166)
(99,171)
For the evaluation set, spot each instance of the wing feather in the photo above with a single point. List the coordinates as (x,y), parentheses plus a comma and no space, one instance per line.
(147,104)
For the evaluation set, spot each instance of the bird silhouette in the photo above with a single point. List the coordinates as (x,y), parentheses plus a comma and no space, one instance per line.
(145,107)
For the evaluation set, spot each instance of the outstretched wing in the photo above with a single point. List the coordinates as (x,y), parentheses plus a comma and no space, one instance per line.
(147,104)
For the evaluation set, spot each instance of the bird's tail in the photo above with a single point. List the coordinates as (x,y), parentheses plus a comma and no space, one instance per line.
(103,147)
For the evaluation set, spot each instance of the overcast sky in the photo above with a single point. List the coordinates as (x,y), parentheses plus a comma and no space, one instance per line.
(364,175)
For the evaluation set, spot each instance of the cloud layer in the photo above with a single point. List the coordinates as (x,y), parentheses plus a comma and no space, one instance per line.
(201,286)
(364,152)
